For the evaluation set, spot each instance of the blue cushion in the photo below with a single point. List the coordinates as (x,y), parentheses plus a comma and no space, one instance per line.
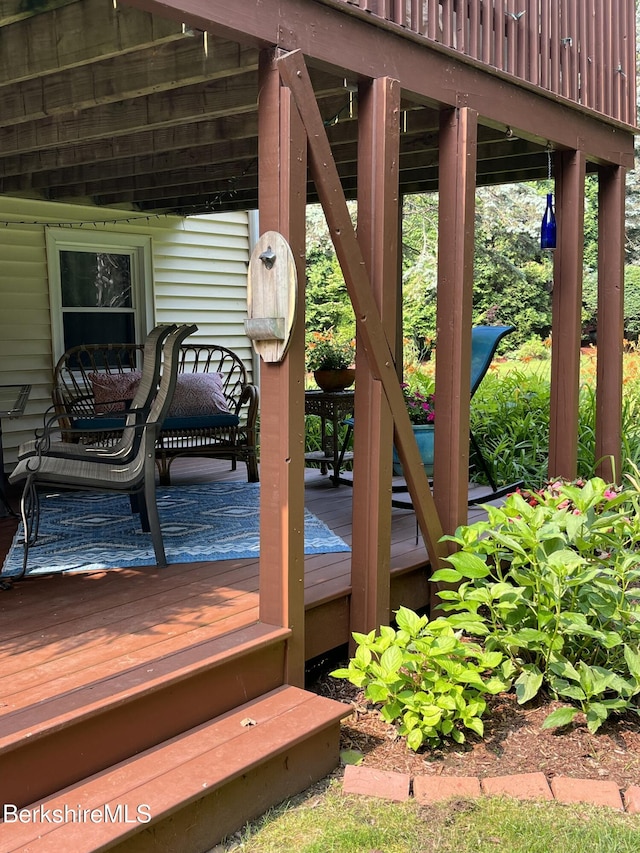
(201,422)
(98,424)
(173,424)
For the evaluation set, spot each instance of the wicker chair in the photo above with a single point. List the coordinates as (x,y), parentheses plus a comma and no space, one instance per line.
(123,448)
(135,477)
(196,432)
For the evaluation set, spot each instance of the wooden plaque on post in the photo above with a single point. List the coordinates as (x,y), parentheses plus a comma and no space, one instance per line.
(271,296)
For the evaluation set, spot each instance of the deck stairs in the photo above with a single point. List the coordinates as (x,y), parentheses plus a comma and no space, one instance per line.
(172,754)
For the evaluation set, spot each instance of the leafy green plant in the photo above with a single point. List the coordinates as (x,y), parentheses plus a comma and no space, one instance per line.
(552,580)
(534,348)
(426,678)
(325,351)
(510,420)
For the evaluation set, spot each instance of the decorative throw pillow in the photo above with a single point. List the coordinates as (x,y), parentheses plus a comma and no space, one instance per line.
(112,390)
(198,394)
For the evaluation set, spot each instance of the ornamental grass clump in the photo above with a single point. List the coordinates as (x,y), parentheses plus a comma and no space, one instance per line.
(426,679)
(552,580)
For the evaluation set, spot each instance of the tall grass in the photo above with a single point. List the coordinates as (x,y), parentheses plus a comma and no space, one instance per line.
(510,419)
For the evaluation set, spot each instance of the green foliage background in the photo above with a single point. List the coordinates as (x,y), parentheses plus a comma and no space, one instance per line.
(512,275)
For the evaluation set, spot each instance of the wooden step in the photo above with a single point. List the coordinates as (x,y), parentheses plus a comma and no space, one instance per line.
(190,792)
(57,741)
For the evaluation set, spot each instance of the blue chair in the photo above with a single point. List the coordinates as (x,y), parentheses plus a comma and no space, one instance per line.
(484,342)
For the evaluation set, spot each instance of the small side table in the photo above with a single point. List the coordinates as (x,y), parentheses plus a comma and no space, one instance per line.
(13,399)
(331,407)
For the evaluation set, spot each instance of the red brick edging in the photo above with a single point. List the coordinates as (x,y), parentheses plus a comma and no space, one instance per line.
(389,785)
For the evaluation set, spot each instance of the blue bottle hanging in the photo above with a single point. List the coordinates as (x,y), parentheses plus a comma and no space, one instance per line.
(548,227)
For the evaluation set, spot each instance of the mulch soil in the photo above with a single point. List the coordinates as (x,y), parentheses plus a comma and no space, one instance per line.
(514,742)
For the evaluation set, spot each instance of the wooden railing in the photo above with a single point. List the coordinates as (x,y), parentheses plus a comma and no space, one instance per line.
(583,50)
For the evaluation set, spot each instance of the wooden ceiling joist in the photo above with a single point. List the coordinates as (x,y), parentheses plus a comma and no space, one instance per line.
(12,11)
(189,104)
(76,34)
(146,143)
(163,67)
(119,178)
(114,174)
(186,105)
(123,106)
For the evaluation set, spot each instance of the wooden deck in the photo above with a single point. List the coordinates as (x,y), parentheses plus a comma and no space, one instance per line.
(58,631)
(70,622)
(105,670)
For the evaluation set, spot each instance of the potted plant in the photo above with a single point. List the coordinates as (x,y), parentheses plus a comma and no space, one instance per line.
(331,361)
(421,410)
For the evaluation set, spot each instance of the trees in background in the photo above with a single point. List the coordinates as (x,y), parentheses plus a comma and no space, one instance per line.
(512,275)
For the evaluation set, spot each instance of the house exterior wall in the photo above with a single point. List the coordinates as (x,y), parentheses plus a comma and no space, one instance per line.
(199,274)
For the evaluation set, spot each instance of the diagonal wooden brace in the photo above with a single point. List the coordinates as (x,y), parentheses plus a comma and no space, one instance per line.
(295,76)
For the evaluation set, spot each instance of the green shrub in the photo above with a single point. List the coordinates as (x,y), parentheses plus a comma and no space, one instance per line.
(551,580)
(426,678)
(534,348)
(510,420)
(550,586)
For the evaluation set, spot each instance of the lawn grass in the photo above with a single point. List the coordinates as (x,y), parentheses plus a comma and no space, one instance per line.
(330,822)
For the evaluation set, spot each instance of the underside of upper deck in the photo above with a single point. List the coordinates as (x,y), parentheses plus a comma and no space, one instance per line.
(157,111)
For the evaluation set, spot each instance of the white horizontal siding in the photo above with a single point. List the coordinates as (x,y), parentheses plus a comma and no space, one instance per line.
(199,276)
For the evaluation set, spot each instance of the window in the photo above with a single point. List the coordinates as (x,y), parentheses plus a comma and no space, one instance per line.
(97,287)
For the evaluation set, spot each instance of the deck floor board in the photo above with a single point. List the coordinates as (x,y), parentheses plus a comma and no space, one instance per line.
(62,632)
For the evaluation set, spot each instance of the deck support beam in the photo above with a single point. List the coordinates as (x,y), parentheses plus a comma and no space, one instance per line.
(610,328)
(378,155)
(345,41)
(456,215)
(566,310)
(282,193)
(371,332)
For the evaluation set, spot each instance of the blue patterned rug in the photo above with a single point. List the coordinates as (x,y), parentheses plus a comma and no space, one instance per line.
(216,521)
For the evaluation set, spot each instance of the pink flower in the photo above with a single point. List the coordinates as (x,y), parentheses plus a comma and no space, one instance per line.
(421,407)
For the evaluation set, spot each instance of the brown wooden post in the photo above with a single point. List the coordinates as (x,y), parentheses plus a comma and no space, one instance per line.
(378,153)
(457,185)
(282,165)
(371,331)
(610,329)
(566,310)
